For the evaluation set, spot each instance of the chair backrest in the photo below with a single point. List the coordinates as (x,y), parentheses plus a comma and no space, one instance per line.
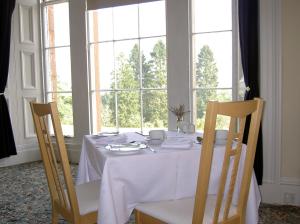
(58,170)
(238,112)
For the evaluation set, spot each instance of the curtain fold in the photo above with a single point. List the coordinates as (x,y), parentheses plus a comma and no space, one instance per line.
(7,142)
(248,11)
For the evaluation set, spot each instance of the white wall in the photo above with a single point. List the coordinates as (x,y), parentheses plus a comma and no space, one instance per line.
(281,181)
(290,165)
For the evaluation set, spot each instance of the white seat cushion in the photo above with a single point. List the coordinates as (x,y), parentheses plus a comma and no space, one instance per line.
(180,211)
(88,196)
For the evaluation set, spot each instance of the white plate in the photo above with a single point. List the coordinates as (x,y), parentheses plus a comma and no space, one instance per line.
(105,134)
(129,148)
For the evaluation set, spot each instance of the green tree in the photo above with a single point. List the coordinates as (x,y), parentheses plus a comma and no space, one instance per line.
(155,109)
(134,61)
(206,77)
(128,78)
(64,104)
(128,99)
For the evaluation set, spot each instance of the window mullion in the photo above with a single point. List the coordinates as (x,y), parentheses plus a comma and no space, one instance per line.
(141,72)
(235,51)
(115,76)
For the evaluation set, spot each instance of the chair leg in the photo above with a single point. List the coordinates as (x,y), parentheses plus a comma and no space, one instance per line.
(54,216)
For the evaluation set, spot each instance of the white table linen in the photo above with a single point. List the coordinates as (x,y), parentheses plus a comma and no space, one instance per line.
(127,180)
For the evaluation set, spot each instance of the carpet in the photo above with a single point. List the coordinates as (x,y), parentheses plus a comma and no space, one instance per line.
(25,199)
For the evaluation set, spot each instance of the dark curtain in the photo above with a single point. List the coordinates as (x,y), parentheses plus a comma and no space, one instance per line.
(7,142)
(249,43)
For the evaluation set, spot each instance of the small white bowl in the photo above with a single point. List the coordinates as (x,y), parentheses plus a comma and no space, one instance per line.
(157,135)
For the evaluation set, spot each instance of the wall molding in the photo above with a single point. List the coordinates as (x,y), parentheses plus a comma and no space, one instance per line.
(290,181)
(24,155)
(277,193)
(29,131)
(26,15)
(270,69)
(30,152)
(74,151)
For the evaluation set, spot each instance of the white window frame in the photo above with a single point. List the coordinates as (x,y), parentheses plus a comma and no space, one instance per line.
(43,5)
(179,66)
(236,62)
(141,89)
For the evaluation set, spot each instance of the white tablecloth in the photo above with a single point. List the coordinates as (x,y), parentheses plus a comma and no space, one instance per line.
(147,176)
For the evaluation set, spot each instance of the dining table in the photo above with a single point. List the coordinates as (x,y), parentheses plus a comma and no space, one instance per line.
(151,172)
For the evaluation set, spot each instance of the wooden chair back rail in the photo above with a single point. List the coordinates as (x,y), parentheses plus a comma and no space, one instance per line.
(72,198)
(54,166)
(56,182)
(236,112)
(250,155)
(229,153)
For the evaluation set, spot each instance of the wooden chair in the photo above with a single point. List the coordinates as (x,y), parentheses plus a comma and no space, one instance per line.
(206,208)
(77,204)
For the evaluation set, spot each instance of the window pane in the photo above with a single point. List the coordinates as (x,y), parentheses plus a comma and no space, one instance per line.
(57,25)
(125,22)
(155,109)
(58,69)
(212,15)
(102,66)
(127,64)
(64,105)
(213,60)
(202,96)
(152,19)
(100,25)
(123,61)
(153,52)
(104,112)
(129,110)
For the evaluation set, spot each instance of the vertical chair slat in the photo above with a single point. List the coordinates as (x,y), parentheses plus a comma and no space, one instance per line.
(234,173)
(225,167)
(53,163)
(250,154)
(64,160)
(205,162)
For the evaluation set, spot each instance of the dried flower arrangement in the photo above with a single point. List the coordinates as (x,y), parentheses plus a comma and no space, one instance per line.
(178,111)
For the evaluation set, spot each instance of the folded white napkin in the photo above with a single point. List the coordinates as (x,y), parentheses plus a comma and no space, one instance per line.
(134,136)
(175,134)
(104,140)
(177,143)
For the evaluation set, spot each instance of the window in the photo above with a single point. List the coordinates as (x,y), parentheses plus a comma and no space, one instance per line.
(128,82)
(57,64)
(214,46)
(127,66)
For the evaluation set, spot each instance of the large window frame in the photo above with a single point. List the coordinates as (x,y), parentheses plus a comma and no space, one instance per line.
(179,63)
(94,114)
(236,78)
(52,91)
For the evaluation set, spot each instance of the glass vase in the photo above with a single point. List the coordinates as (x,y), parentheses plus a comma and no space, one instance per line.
(178,120)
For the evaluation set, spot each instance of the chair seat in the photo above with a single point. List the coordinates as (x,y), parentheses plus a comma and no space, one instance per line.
(180,211)
(88,196)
